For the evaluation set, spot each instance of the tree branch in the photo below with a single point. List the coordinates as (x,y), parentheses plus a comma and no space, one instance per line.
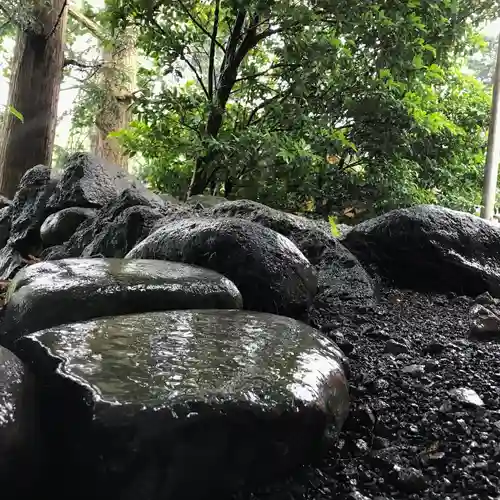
(278,97)
(80,64)
(196,74)
(211,59)
(233,40)
(93,27)
(199,25)
(58,20)
(264,72)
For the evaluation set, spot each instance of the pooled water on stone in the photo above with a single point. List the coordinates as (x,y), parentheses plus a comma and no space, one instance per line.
(164,357)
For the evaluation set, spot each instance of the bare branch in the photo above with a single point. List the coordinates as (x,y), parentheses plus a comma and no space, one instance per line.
(196,74)
(199,25)
(80,64)
(266,71)
(58,20)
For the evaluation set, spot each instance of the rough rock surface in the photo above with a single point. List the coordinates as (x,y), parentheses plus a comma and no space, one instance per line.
(60,226)
(4,225)
(407,436)
(20,445)
(97,228)
(28,209)
(205,201)
(431,248)
(341,278)
(54,253)
(26,214)
(268,269)
(187,404)
(4,202)
(88,181)
(64,291)
(123,233)
(11,261)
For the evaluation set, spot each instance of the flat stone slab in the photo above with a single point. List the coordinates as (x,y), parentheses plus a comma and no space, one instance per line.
(53,293)
(187,404)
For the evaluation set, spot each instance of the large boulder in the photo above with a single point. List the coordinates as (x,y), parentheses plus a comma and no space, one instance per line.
(428,247)
(11,261)
(205,201)
(118,237)
(102,228)
(54,253)
(25,217)
(29,209)
(268,269)
(191,405)
(281,222)
(68,290)
(60,226)
(4,225)
(88,181)
(341,278)
(20,440)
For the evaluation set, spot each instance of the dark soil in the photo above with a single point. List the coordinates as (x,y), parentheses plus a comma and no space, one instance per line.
(407,437)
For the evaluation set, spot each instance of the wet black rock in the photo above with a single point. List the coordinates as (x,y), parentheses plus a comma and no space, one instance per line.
(205,201)
(20,442)
(186,404)
(268,269)
(466,396)
(4,225)
(118,237)
(484,322)
(408,479)
(4,202)
(394,347)
(341,278)
(60,226)
(24,218)
(53,293)
(431,248)
(88,181)
(11,261)
(54,253)
(102,229)
(29,210)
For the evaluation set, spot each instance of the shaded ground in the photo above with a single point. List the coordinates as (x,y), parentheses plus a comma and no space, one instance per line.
(407,437)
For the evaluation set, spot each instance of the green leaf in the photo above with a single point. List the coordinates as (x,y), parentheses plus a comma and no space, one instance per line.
(16,113)
(333,226)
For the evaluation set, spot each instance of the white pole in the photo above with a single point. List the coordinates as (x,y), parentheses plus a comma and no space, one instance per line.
(493,152)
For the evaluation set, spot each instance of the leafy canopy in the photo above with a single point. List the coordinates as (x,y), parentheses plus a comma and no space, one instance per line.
(346,107)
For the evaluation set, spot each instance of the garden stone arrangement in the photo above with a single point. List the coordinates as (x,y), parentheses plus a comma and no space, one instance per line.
(155,349)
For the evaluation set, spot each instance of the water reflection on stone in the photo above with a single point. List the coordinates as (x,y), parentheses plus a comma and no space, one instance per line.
(159,358)
(47,294)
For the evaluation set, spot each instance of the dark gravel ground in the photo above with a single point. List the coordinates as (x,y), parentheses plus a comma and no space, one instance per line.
(407,436)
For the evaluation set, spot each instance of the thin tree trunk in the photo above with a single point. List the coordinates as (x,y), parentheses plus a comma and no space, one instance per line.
(119,81)
(34,92)
(242,40)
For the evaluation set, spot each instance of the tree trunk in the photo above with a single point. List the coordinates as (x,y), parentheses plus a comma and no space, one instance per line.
(119,81)
(34,92)
(237,48)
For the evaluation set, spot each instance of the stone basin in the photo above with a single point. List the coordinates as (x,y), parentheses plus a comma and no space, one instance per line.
(189,404)
(53,293)
(20,442)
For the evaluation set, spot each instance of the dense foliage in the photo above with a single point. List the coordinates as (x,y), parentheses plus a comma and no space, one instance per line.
(335,107)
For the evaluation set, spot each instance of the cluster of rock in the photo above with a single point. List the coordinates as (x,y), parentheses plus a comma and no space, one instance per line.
(186,376)
(155,349)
